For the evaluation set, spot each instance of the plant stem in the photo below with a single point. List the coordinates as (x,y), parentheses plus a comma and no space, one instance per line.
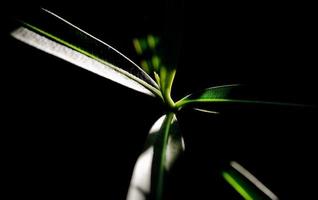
(169,101)
(166,85)
(165,136)
(179,104)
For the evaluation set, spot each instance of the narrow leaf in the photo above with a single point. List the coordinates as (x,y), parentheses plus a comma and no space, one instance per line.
(246,184)
(163,146)
(56,36)
(206,111)
(166,81)
(223,94)
(146,49)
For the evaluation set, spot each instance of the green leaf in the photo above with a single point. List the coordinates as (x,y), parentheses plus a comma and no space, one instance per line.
(56,36)
(206,111)
(166,81)
(147,51)
(246,184)
(163,146)
(223,94)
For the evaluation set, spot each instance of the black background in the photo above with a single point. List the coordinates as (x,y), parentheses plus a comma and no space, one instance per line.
(70,133)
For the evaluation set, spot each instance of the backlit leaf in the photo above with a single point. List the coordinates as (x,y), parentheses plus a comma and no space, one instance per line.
(246,184)
(223,94)
(56,36)
(163,146)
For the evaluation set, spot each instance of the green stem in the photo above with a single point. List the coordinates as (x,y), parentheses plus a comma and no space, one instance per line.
(165,136)
(179,104)
(169,101)
(166,85)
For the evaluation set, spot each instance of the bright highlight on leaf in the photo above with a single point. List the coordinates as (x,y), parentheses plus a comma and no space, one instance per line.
(223,94)
(237,186)
(132,77)
(247,185)
(212,94)
(206,111)
(163,146)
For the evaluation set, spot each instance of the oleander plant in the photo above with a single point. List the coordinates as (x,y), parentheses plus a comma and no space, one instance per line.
(155,78)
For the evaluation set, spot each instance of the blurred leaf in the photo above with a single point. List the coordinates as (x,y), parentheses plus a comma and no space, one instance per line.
(163,146)
(138,46)
(247,185)
(223,94)
(54,35)
(146,49)
(155,60)
(161,58)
